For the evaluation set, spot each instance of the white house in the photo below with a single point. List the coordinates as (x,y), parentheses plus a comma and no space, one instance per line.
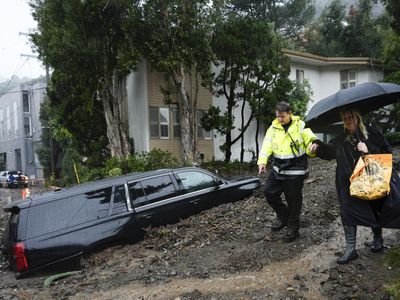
(326,75)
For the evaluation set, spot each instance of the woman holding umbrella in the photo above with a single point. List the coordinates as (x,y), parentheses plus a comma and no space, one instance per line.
(356,140)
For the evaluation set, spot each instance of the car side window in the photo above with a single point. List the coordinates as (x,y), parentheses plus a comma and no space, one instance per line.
(136,194)
(158,188)
(98,202)
(194,181)
(119,200)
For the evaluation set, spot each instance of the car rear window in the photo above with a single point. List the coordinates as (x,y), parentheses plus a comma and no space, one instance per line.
(70,211)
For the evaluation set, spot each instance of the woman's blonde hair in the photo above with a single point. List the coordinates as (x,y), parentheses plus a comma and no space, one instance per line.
(361,124)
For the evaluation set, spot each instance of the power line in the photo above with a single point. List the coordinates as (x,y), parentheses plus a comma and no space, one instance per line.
(9,82)
(22,91)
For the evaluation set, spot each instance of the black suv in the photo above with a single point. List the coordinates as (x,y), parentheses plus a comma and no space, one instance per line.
(56,226)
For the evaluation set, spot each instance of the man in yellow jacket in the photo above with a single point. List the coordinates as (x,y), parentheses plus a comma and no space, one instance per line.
(289,143)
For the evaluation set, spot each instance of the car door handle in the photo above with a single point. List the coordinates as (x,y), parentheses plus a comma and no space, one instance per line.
(148,216)
(195,201)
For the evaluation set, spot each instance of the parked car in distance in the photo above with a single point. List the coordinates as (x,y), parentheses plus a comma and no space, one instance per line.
(53,227)
(13,179)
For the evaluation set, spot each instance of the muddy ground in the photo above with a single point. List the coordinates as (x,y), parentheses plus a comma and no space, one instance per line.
(228,252)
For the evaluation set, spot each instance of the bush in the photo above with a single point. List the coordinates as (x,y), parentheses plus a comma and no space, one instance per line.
(114,172)
(145,161)
(393,138)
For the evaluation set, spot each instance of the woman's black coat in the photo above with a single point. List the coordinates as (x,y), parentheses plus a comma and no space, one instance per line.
(356,211)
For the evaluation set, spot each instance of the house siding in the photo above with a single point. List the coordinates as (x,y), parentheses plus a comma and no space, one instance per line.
(144,92)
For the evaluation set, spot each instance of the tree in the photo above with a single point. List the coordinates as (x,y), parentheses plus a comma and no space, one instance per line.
(85,45)
(363,34)
(252,71)
(175,40)
(393,8)
(288,16)
(391,58)
(324,37)
(341,33)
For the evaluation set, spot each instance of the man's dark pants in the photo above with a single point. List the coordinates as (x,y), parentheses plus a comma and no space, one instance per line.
(292,189)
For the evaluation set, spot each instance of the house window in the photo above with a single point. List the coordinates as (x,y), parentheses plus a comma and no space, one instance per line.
(16,120)
(159,122)
(299,76)
(25,102)
(348,78)
(1,125)
(201,132)
(27,127)
(176,122)
(8,132)
(3,161)
(164,123)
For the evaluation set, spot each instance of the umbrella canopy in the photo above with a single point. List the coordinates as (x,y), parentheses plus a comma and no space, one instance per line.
(365,97)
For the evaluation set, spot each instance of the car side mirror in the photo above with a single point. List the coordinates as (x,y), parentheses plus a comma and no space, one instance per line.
(218,181)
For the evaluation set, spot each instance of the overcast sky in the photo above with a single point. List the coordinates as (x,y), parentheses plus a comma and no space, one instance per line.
(15,17)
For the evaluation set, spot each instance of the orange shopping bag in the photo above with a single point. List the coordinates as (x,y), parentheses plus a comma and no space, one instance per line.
(371,177)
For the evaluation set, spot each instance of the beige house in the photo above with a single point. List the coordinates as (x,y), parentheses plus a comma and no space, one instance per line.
(154,124)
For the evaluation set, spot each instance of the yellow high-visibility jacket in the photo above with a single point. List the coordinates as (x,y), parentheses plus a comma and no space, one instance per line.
(289,149)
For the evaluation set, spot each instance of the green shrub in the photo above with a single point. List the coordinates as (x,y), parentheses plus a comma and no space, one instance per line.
(145,161)
(393,138)
(114,172)
(157,159)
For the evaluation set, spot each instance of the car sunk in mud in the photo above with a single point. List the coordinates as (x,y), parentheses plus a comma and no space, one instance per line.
(57,226)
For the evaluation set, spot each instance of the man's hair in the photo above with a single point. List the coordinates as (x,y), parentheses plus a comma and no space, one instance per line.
(283,107)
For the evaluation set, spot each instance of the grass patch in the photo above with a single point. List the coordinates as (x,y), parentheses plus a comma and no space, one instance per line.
(393,257)
(394,289)
(393,260)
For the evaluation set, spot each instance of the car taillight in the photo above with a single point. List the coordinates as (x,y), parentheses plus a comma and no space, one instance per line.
(19,256)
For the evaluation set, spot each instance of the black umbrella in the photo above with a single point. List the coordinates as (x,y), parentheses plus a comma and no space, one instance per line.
(365,97)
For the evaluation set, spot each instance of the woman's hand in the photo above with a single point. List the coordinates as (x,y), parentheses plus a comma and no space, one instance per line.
(362,147)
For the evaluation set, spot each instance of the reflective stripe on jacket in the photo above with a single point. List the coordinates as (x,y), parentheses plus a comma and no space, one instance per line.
(289,149)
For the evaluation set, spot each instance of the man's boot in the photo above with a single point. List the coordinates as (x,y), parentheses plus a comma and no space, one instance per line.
(377,243)
(279,223)
(350,234)
(291,234)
